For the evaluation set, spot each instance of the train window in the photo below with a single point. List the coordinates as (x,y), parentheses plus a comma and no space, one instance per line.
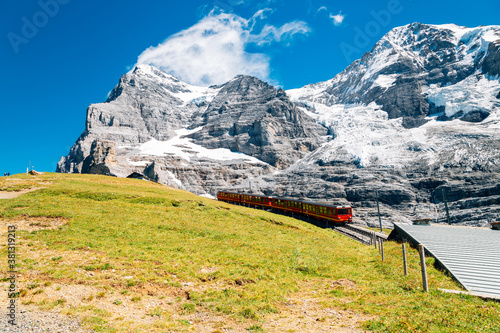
(342,211)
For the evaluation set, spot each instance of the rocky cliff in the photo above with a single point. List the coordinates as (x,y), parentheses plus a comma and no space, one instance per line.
(413,121)
(254,118)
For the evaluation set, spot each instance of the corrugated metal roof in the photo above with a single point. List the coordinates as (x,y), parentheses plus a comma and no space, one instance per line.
(471,255)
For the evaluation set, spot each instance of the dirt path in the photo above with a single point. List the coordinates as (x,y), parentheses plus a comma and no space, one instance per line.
(15,194)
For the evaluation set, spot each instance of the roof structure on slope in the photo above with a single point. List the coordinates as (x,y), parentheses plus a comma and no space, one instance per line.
(471,255)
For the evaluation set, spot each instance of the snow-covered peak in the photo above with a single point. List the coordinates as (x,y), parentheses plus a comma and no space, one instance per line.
(150,76)
(407,68)
(143,69)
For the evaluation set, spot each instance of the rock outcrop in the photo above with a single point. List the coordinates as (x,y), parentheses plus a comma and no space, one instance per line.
(252,117)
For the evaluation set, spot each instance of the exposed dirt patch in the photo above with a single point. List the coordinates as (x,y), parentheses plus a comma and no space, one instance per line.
(124,308)
(208,270)
(302,314)
(306,311)
(15,194)
(28,320)
(343,284)
(32,223)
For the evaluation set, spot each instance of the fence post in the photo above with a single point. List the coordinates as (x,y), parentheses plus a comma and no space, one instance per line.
(421,250)
(382,248)
(404,260)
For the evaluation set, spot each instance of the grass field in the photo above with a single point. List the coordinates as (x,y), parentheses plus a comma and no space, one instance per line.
(133,256)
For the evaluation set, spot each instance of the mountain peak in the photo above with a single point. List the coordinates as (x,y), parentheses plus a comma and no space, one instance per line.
(408,64)
(148,70)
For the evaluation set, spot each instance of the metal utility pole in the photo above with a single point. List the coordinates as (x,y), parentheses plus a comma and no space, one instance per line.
(446,206)
(378,210)
(405,266)
(421,251)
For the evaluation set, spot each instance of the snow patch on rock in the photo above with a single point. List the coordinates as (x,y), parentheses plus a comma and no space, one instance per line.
(475,93)
(183,147)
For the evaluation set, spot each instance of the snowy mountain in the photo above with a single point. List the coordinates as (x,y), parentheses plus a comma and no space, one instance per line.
(416,77)
(415,117)
(155,124)
(411,70)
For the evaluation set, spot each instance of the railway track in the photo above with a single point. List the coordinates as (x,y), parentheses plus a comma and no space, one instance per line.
(360,234)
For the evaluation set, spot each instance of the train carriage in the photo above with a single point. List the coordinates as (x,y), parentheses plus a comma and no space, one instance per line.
(286,204)
(343,213)
(294,206)
(228,196)
(333,213)
(255,200)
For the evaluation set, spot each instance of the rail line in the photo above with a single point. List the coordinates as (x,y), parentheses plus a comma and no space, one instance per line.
(315,213)
(360,234)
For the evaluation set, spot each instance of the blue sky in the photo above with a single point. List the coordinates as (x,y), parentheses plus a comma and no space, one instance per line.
(59,56)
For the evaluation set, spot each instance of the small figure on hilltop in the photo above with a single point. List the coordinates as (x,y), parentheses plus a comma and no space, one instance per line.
(8,174)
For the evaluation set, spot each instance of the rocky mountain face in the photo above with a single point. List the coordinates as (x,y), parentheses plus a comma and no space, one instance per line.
(254,118)
(413,122)
(187,136)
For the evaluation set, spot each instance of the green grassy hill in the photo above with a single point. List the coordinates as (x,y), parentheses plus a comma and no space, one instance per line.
(133,256)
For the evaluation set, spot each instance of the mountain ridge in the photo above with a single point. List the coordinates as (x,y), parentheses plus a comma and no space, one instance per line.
(416,116)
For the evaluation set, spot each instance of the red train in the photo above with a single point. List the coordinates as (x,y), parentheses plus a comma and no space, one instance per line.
(335,214)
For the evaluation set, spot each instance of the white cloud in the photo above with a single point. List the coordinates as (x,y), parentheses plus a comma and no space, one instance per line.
(271,34)
(337,19)
(321,8)
(213,50)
